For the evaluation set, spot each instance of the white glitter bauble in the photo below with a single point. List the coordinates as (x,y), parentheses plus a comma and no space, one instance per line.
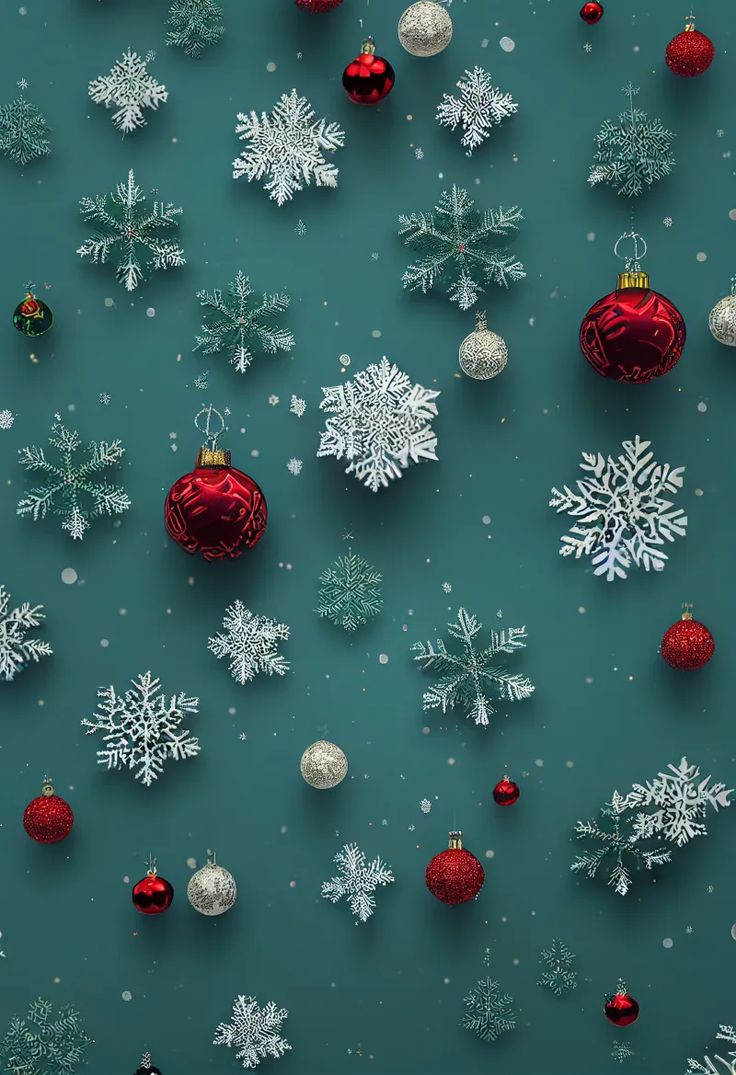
(212,890)
(323,765)
(722,320)
(425,28)
(483,354)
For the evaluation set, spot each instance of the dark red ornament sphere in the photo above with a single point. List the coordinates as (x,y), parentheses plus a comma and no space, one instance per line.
(48,818)
(318,6)
(687,644)
(153,895)
(621,1008)
(633,335)
(368,78)
(506,792)
(455,876)
(32,317)
(591,12)
(690,53)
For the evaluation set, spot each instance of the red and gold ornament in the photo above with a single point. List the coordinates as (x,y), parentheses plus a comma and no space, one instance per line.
(32,317)
(455,875)
(689,53)
(687,644)
(506,792)
(318,6)
(591,12)
(368,78)
(48,818)
(620,1008)
(152,894)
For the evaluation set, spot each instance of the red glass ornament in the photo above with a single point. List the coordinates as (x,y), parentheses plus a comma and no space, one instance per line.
(621,1008)
(687,644)
(318,6)
(32,317)
(591,12)
(506,792)
(153,894)
(689,53)
(48,818)
(368,78)
(455,876)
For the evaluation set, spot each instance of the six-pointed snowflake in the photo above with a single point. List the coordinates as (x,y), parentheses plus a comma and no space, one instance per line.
(238,326)
(717,1064)
(250,643)
(6,419)
(254,1032)
(297,406)
(195,25)
(129,88)
(622,510)
(618,848)
(23,131)
(488,1010)
(287,147)
(350,592)
(560,976)
(478,108)
(43,1042)
(357,880)
(379,423)
(128,230)
(141,728)
(16,650)
(467,678)
(456,241)
(633,151)
(71,486)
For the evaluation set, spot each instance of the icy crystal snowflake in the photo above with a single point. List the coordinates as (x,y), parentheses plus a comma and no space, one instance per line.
(622,510)
(23,132)
(618,848)
(141,728)
(456,241)
(6,419)
(294,466)
(16,650)
(560,976)
(237,325)
(621,1051)
(357,880)
(488,1011)
(250,643)
(71,486)
(287,147)
(467,677)
(633,151)
(195,25)
(254,1032)
(350,592)
(129,88)
(297,406)
(44,1043)
(477,109)
(717,1064)
(379,423)
(126,229)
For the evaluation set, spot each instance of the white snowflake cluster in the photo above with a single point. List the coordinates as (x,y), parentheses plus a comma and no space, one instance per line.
(6,419)
(717,1064)
(128,88)
(357,880)
(250,643)
(479,107)
(254,1032)
(16,649)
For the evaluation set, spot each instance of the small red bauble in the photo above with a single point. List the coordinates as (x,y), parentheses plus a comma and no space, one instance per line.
(621,1008)
(591,12)
(506,792)
(455,876)
(153,894)
(318,5)
(48,818)
(368,78)
(690,53)
(687,644)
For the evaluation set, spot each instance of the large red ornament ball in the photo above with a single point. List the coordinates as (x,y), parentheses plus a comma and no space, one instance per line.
(48,818)
(318,6)
(455,875)
(153,895)
(368,78)
(690,53)
(687,644)
(506,792)
(621,1008)
(591,12)
(216,510)
(633,335)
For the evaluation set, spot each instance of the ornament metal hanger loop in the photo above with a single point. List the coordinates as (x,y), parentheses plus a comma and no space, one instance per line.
(631,260)
(209,430)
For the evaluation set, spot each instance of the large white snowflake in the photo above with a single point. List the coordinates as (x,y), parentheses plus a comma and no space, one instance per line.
(129,88)
(357,880)
(16,649)
(141,728)
(622,510)
(287,147)
(380,423)
(478,108)
(254,1032)
(250,643)
(717,1064)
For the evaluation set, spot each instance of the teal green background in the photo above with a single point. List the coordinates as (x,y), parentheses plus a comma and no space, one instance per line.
(385,997)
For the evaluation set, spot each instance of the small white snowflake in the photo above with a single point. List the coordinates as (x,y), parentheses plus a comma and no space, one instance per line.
(447,587)
(129,88)
(425,806)
(6,419)
(300,228)
(297,406)
(250,643)
(294,466)
(419,153)
(273,401)
(587,47)
(667,222)
(22,84)
(16,650)
(201,381)
(254,1032)
(105,398)
(479,108)
(357,880)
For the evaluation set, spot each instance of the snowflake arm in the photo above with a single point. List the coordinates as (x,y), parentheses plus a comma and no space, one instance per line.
(356,880)
(478,108)
(238,325)
(250,643)
(42,1043)
(619,849)
(633,152)
(23,132)
(195,25)
(254,1032)
(717,1065)
(560,976)
(350,592)
(128,88)
(17,651)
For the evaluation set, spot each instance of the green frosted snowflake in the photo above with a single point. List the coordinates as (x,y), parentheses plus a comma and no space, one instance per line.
(560,976)
(617,848)
(41,1043)
(23,131)
(621,1051)
(195,25)
(633,152)
(488,1010)
(239,326)
(350,594)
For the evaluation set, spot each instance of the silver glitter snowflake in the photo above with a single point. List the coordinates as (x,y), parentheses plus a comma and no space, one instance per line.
(250,643)
(294,466)
(479,107)
(621,1051)
(195,25)
(6,419)
(297,406)
(716,1064)
(287,147)
(141,728)
(622,510)
(254,1032)
(128,88)
(357,880)
(379,423)
(16,649)
(350,592)
(238,325)
(488,1010)
(633,151)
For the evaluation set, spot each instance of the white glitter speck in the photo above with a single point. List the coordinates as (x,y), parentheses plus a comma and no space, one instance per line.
(383,658)
(667,942)
(701,256)
(507,44)
(151,311)
(702,407)
(270,66)
(69,576)
(126,994)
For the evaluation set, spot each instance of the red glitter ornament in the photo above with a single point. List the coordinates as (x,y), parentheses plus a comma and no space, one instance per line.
(48,818)
(506,792)
(153,894)
(689,53)
(591,12)
(455,876)
(368,78)
(318,6)
(216,509)
(621,1008)
(687,644)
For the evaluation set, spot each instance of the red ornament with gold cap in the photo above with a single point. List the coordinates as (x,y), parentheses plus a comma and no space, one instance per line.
(455,875)
(368,78)
(591,12)
(48,818)
(152,894)
(506,792)
(621,1008)
(215,509)
(690,53)
(687,644)
(633,334)
(32,317)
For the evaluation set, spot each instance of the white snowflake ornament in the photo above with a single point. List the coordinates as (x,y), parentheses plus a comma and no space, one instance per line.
(16,649)
(254,1032)
(478,108)
(356,880)
(250,643)
(128,88)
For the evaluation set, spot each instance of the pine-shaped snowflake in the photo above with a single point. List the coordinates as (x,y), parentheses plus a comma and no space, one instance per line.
(23,130)
(716,1064)
(141,728)
(250,643)
(16,649)
(239,326)
(254,1032)
(357,880)
(633,152)
(488,1010)
(457,242)
(129,88)
(478,108)
(350,592)
(43,1042)
(71,483)
(195,25)
(131,234)
(559,976)
(287,147)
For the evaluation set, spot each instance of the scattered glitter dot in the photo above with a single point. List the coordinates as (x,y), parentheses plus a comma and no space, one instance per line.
(486,520)
(733,931)
(450,761)
(126,994)
(270,66)
(104,642)
(109,301)
(344,360)
(590,236)
(569,764)
(490,854)
(539,762)
(376,333)
(192,863)
(732,214)
(383,658)
(698,492)
(425,806)
(69,576)
(426,730)
(702,407)
(581,609)
(151,311)
(667,942)
(700,256)
(507,44)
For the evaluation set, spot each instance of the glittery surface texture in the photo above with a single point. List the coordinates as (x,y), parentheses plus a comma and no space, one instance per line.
(455,875)
(324,765)
(687,644)
(425,28)
(212,890)
(48,819)
(690,53)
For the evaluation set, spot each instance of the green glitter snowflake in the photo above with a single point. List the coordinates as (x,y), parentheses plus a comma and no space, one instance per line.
(40,1043)
(488,1011)
(238,326)
(195,25)
(350,594)
(560,976)
(621,1051)
(23,131)
(633,151)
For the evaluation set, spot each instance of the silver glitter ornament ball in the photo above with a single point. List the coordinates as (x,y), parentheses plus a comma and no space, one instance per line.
(483,354)
(323,765)
(425,28)
(722,320)
(212,890)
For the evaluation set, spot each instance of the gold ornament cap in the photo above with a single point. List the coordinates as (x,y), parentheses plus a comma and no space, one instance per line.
(47,789)
(687,611)
(455,842)
(213,457)
(632,278)
(368,48)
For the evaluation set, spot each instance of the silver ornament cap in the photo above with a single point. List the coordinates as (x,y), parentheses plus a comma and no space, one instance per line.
(722,318)
(324,765)
(425,28)
(483,354)
(212,890)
